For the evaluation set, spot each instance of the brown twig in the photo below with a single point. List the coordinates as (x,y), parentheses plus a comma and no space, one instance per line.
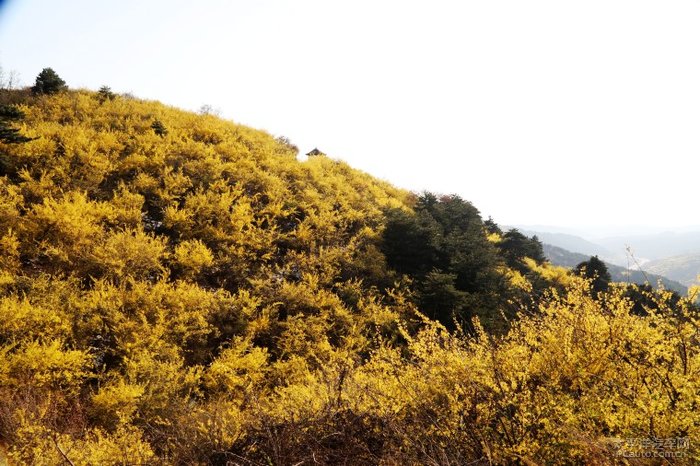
(63,453)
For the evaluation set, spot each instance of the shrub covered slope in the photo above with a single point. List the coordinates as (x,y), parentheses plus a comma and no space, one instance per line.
(178,289)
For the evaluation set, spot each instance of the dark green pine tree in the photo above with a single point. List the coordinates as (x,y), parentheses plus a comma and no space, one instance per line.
(105,93)
(595,270)
(48,82)
(515,246)
(159,128)
(9,135)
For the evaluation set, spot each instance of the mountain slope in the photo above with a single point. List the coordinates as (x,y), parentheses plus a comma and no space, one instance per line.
(238,191)
(684,269)
(149,255)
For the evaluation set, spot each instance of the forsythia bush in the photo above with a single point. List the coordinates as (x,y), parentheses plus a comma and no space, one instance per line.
(197,295)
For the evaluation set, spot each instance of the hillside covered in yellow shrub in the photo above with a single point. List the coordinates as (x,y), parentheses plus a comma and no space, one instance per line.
(180,289)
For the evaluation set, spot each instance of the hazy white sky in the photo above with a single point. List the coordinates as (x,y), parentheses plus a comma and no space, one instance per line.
(551,112)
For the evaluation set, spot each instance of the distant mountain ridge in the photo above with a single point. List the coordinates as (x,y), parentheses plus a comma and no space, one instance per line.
(656,246)
(569,242)
(576,244)
(672,255)
(560,256)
